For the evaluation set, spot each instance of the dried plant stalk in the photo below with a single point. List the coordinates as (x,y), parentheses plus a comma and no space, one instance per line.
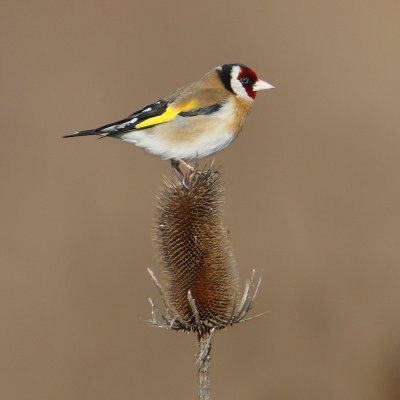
(204,392)
(201,293)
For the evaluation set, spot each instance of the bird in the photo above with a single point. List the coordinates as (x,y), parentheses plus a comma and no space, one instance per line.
(195,121)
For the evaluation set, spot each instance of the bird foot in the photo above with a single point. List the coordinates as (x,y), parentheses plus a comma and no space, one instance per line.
(187,165)
(179,174)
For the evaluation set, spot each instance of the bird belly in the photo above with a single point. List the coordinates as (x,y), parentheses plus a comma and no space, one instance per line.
(188,148)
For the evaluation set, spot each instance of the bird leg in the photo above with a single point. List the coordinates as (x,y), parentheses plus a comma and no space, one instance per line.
(178,173)
(175,167)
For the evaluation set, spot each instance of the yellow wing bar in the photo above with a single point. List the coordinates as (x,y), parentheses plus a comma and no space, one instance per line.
(168,115)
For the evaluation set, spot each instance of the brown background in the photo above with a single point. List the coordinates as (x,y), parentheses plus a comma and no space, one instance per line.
(312,191)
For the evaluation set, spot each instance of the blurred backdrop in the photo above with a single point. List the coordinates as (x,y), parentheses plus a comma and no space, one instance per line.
(312,198)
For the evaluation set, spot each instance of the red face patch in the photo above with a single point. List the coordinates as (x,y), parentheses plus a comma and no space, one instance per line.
(247,77)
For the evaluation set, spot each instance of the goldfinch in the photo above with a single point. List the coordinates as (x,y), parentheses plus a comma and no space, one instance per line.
(196,121)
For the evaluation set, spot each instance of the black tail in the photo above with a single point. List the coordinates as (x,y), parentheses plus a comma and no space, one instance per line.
(82,133)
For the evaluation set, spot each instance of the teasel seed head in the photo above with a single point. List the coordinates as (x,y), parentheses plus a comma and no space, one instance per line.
(195,253)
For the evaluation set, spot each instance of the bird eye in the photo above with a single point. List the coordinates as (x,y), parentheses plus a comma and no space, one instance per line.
(245,81)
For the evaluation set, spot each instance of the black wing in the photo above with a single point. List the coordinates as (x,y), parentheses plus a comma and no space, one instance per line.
(126,124)
(129,124)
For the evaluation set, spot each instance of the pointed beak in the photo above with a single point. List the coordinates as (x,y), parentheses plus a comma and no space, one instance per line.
(262,85)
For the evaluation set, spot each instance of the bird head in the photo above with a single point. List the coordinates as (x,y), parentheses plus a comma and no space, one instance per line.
(241,80)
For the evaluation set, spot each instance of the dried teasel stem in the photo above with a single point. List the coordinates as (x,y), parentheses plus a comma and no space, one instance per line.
(201,291)
(204,361)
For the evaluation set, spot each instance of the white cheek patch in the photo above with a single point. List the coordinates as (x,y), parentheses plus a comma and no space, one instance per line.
(236,85)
